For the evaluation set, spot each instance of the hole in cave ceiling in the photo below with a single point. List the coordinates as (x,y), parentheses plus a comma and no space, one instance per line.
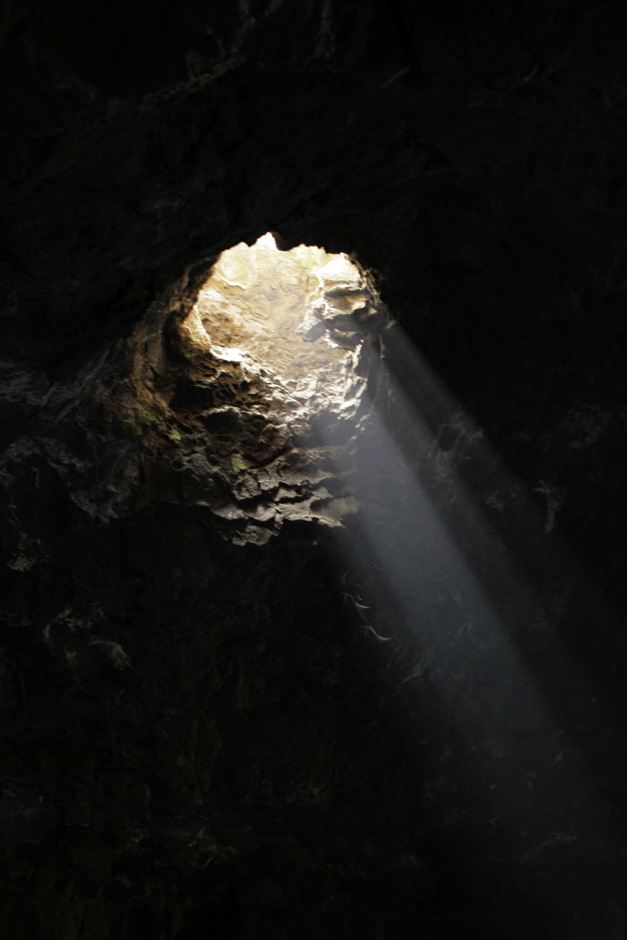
(265,395)
(298,318)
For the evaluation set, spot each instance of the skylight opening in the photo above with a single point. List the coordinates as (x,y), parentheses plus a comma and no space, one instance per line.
(272,367)
(297,315)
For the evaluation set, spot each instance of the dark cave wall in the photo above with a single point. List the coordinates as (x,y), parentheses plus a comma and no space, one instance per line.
(297,135)
(202,740)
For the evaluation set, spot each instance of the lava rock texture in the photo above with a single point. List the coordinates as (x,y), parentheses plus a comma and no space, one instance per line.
(204,736)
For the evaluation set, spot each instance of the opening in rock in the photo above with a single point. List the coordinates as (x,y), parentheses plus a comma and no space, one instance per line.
(250,405)
(296,319)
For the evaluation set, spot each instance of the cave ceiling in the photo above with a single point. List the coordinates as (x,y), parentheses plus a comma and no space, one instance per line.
(210,726)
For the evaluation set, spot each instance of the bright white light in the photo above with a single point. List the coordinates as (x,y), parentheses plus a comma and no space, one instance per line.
(267,241)
(293,316)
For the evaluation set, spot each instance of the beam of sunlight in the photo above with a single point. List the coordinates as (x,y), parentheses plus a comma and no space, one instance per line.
(486,663)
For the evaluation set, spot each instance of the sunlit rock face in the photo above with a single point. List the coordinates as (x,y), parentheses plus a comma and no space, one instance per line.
(292,323)
(250,405)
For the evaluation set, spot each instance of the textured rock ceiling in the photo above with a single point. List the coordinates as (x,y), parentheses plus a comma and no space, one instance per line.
(201,735)
(248,405)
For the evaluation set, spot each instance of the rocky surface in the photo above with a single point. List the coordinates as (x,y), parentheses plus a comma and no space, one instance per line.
(223,713)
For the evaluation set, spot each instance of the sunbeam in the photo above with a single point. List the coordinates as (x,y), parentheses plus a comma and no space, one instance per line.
(481,653)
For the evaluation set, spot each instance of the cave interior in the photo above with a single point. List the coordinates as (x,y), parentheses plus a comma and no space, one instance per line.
(312,470)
